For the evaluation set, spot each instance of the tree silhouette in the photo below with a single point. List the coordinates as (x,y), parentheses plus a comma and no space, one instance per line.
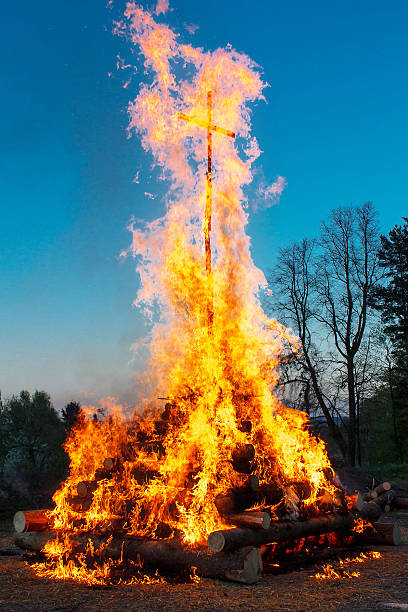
(70,414)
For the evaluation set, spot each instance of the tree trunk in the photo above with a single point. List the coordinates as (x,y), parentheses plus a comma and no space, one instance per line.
(351,451)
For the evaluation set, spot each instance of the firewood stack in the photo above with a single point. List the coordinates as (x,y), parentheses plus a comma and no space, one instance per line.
(256,514)
(379,499)
(234,553)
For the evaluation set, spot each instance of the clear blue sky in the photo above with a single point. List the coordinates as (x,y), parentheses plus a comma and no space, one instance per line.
(335,125)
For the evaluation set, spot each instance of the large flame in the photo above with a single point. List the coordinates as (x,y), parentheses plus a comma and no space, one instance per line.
(218,379)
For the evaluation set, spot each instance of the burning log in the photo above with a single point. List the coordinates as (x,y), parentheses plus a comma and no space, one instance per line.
(243,459)
(238,498)
(85,488)
(382,533)
(230,539)
(244,565)
(243,452)
(143,476)
(30,520)
(80,504)
(291,504)
(110,464)
(303,490)
(254,520)
(270,494)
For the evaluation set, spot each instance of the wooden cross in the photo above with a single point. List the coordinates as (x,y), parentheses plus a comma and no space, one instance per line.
(208,201)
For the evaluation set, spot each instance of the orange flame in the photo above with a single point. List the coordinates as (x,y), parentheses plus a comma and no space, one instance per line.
(329,573)
(170,467)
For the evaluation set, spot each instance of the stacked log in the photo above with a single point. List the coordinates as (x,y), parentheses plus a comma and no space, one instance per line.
(234,554)
(279,531)
(243,565)
(385,498)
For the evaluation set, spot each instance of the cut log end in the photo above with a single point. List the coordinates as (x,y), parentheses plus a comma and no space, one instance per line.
(252,567)
(108,464)
(383,533)
(30,520)
(216,541)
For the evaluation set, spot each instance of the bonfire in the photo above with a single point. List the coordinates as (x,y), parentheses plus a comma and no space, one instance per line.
(211,468)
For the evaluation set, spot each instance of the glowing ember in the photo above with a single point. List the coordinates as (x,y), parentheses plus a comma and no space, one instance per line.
(164,468)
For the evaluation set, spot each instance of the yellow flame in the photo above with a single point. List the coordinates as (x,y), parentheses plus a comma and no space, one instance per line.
(217,380)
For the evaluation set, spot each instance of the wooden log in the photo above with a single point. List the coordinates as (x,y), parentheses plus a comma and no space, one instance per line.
(254,520)
(356,502)
(225,504)
(34,540)
(370,495)
(386,500)
(85,488)
(401,502)
(30,520)
(80,504)
(243,452)
(245,426)
(270,494)
(290,504)
(303,490)
(244,467)
(329,474)
(248,482)
(143,476)
(238,498)
(231,539)
(244,565)
(382,533)
(370,510)
(110,463)
(382,488)
(379,490)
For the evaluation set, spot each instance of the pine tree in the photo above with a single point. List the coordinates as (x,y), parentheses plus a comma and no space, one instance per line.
(392,301)
(70,414)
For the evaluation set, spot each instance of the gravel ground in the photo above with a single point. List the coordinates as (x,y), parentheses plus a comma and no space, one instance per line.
(382,586)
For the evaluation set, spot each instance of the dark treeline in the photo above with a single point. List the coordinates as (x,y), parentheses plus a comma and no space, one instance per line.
(345,294)
(32,458)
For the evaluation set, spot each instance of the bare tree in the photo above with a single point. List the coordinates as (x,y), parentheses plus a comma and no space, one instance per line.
(322,289)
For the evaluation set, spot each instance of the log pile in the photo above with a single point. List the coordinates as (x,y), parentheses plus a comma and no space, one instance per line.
(258,515)
(381,499)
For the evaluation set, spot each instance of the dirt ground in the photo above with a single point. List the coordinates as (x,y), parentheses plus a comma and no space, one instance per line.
(382,586)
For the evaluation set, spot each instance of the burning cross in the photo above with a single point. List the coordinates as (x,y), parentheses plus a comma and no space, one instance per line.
(208,202)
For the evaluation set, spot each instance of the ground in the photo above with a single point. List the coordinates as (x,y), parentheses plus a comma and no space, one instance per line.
(382,586)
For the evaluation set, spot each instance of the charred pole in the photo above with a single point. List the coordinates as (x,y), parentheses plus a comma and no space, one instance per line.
(208,201)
